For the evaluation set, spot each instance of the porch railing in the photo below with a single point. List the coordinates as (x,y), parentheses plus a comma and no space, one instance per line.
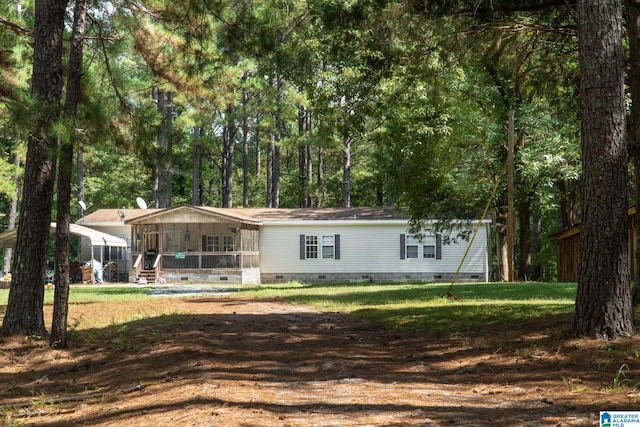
(202,261)
(196,261)
(137,265)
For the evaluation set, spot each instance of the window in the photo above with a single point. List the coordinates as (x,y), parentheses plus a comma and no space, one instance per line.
(210,243)
(412,247)
(328,246)
(429,246)
(228,244)
(325,247)
(311,244)
(173,241)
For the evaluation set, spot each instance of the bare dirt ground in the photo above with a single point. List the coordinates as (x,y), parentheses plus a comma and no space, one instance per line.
(228,361)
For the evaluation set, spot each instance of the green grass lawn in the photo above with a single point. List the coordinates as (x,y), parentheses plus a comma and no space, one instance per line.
(403,306)
(421,307)
(80,294)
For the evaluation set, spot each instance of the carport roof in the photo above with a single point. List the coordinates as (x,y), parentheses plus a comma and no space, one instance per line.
(96,238)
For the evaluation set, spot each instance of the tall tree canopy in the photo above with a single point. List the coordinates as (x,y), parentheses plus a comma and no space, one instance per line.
(309,103)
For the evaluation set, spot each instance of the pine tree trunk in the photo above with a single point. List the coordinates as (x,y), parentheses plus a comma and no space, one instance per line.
(245,150)
(567,203)
(65,170)
(258,149)
(270,155)
(603,301)
(80,179)
(276,177)
(228,154)
(303,160)
(158,172)
(168,158)
(524,231)
(309,199)
(346,173)
(633,31)
(13,213)
(536,246)
(24,314)
(195,167)
(275,186)
(58,336)
(320,179)
(503,254)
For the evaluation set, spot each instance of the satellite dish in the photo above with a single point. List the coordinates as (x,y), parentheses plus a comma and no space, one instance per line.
(82,205)
(141,203)
(121,215)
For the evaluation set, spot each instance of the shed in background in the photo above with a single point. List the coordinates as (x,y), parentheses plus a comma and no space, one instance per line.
(568,250)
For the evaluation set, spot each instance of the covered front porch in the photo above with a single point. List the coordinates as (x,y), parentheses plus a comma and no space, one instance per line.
(194,245)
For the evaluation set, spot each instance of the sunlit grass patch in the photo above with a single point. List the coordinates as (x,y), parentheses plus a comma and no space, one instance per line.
(402,306)
(424,307)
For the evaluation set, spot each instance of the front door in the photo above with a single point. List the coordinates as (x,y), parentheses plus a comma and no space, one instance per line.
(150,244)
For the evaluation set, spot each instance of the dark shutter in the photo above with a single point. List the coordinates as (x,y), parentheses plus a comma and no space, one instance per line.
(204,243)
(337,245)
(402,246)
(302,246)
(438,246)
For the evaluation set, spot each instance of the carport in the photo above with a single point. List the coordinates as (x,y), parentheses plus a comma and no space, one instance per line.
(94,237)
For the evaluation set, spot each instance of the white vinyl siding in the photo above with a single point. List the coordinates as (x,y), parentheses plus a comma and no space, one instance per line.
(365,247)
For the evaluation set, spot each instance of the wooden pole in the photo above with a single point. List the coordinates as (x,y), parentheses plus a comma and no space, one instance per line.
(511,215)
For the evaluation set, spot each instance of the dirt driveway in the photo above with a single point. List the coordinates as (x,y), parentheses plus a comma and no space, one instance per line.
(228,361)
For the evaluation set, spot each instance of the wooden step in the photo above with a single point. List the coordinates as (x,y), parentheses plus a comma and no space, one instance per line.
(147,276)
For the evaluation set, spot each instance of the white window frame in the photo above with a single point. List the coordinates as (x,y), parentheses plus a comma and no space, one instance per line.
(429,246)
(311,246)
(228,243)
(411,242)
(212,243)
(328,243)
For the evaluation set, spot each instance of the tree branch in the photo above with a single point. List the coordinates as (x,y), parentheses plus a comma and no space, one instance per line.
(16,28)
(518,7)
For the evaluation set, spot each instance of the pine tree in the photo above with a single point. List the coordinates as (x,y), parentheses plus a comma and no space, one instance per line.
(603,301)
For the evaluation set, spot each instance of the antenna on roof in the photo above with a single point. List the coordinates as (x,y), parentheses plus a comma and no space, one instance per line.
(141,203)
(83,207)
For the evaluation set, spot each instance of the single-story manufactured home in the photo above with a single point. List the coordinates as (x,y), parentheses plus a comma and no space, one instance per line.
(261,245)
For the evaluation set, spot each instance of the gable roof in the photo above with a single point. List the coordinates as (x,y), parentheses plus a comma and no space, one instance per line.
(220,213)
(247,215)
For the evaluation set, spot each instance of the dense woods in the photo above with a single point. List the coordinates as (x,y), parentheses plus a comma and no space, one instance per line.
(301,103)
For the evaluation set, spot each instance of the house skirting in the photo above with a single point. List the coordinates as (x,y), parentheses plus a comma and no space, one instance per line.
(369,277)
(252,276)
(246,276)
